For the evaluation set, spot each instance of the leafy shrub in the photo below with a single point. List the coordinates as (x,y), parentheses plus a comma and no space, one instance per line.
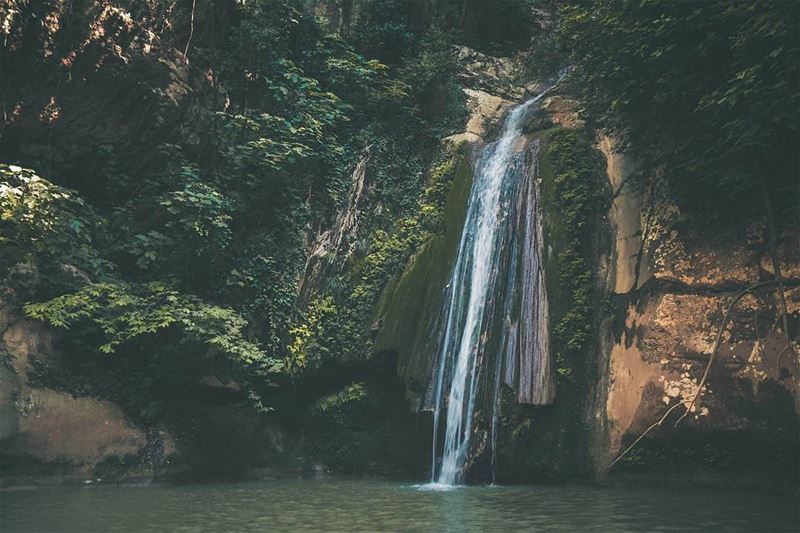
(124,312)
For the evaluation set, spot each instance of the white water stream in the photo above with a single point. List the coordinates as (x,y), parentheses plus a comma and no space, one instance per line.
(476,277)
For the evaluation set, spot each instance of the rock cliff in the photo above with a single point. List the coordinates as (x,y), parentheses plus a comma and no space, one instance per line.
(676,287)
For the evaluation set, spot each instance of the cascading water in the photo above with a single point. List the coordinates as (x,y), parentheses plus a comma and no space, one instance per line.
(497,283)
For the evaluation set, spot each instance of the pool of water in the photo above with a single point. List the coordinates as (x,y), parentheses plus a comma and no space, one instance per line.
(366,505)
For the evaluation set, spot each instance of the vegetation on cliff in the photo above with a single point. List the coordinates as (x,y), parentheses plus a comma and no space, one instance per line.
(167,166)
(704,93)
(574,198)
(170,164)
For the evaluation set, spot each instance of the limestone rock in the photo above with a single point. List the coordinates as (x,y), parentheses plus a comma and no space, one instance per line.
(56,427)
(485,112)
(675,287)
(696,261)
(624,218)
(487,73)
(563,111)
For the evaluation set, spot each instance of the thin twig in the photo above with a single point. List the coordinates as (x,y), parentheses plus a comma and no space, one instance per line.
(780,355)
(646,431)
(690,403)
(191,33)
(643,243)
(755,316)
(717,342)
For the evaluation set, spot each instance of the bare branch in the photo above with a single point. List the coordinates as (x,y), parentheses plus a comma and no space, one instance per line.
(191,33)
(646,431)
(717,342)
(689,404)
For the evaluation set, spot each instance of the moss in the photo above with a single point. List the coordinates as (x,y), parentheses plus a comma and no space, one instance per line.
(363,426)
(411,304)
(351,393)
(390,252)
(338,325)
(550,442)
(572,202)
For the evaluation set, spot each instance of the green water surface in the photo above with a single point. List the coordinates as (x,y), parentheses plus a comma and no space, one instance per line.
(366,505)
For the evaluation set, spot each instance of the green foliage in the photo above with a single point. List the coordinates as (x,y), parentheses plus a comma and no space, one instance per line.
(125,312)
(313,339)
(705,92)
(187,251)
(54,244)
(148,248)
(363,426)
(39,213)
(392,29)
(389,252)
(337,326)
(383,28)
(573,200)
(48,228)
(263,279)
(312,104)
(199,214)
(430,73)
(502,27)
(351,393)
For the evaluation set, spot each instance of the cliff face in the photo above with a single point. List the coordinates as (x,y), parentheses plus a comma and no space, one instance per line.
(409,311)
(672,282)
(54,429)
(95,88)
(669,283)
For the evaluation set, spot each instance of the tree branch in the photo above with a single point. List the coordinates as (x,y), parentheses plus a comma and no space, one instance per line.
(191,33)
(689,404)
(772,239)
(717,342)
(646,431)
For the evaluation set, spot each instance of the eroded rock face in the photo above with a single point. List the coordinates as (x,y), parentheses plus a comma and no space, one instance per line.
(56,427)
(674,284)
(411,305)
(563,111)
(49,427)
(625,214)
(332,246)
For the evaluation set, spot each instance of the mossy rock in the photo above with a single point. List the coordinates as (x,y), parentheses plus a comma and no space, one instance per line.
(410,306)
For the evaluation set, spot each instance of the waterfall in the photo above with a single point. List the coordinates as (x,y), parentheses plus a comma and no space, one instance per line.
(497,283)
